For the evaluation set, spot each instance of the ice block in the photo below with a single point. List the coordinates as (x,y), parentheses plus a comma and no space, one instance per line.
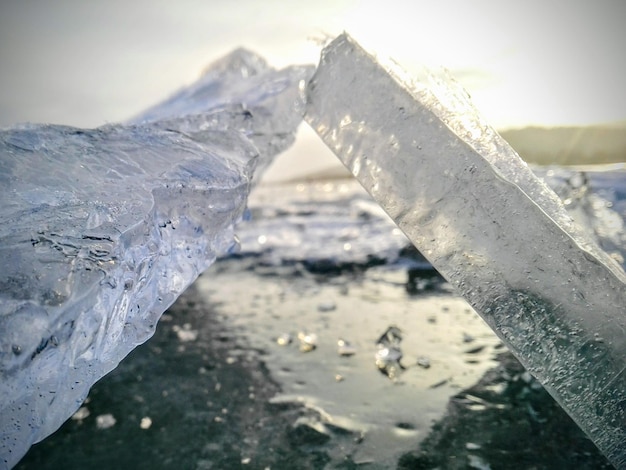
(102,229)
(480,216)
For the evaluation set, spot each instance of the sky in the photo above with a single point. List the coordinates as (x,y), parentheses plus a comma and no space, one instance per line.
(528,62)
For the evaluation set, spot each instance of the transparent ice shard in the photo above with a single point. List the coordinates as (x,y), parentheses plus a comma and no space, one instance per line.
(243,93)
(496,232)
(102,229)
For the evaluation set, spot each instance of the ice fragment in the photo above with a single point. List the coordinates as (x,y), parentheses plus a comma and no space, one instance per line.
(105,421)
(423,362)
(389,353)
(308,341)
(284,339)
(145,422)
(104,228)
(327,306)
(345,348)
(480,216)
(246,95)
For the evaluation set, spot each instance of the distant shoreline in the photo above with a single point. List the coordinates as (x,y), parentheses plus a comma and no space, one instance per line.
(601,146)
(584,145)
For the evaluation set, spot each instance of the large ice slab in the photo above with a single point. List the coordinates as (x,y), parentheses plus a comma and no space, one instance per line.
(496,232)
(104,228)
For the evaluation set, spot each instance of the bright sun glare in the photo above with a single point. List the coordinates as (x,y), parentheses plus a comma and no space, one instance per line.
(524,63)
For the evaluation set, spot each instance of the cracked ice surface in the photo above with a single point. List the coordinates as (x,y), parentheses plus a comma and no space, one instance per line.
(104,228)
(498,234)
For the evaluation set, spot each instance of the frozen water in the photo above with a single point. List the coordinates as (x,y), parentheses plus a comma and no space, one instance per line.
(389,353)
(104,228)
(495,231)
(345,348)
(243,93)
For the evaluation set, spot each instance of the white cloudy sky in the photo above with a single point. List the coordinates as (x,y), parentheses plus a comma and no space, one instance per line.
(524,62)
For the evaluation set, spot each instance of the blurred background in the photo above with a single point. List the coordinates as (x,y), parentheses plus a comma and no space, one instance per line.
(549,76)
